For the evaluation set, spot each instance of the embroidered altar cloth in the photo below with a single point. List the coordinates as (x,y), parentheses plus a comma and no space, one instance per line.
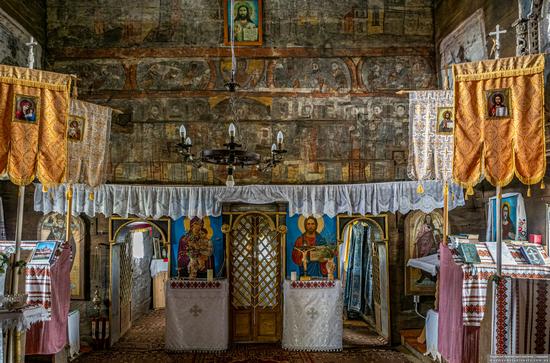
(312,318)
(177,201)
(197,315)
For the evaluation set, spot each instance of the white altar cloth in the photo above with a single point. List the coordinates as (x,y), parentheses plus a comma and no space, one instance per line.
(429,263)
(197,315)
(158,266)
(313,315)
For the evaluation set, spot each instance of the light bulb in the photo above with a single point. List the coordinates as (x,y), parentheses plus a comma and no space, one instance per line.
(273,148)
(183,131)
(230,182)
(280,137)
(232,130)
(188,141)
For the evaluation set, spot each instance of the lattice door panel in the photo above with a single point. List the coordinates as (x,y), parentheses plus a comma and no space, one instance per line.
(255,278)
(125,286)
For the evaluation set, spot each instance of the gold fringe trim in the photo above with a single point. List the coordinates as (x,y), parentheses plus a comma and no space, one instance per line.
(528,191)
(499,74)
(91,196)
(470,190)
(420,189)
(44,188)
(35,84)
(542,184)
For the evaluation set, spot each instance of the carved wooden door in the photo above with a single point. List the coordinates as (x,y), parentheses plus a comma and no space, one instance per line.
(255,265)
(125,286)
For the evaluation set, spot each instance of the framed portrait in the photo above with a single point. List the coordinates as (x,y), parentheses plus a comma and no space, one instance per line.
(26,108)
(43,252)
(52,226)
(445,121)
(423,234)
(247,20)
(75,128)
(498,103)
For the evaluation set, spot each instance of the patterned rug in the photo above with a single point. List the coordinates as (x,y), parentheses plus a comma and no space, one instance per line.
(145,343)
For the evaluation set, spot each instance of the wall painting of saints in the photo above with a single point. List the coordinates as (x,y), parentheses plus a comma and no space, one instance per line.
(247,20)
(423,234)
(311,246)
(197,247)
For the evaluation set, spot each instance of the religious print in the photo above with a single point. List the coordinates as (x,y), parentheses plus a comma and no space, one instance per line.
(513,218)
(197,247)
(311,248)
(445,120)
(423,234)
(247,20)
(75,130)
(498,103)
(26,108)
(43,252)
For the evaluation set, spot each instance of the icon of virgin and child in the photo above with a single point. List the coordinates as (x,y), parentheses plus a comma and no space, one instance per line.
(195,251)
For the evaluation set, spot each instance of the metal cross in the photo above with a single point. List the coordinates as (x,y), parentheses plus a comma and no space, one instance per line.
(496,41)
(30,58)
(312,313)
(195,310)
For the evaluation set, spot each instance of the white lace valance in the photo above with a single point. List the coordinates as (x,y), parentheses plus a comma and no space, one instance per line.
(178,201)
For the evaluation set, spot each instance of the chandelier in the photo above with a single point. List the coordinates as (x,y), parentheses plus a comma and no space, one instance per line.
(233,154)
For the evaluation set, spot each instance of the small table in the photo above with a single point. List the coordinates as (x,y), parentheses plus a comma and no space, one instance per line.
(313,315)
(197,315)
(19,321)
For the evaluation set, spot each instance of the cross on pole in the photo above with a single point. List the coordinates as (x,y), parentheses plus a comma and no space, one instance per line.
(496,40)
(30,58)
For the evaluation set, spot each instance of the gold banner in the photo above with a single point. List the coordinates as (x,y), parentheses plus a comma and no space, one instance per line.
(34,107)
(499,111)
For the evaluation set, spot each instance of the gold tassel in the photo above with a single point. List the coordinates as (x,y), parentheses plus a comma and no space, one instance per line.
(44,188)
(528,191)
(470,190)
(542,184)
(466,196)
(420,189)
(91,196)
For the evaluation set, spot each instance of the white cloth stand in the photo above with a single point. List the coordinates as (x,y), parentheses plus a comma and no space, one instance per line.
(312,318)
(197,315)
(429,263)
(158,266)
(178,201)
(431,335)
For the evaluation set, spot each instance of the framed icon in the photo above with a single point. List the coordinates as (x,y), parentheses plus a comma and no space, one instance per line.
(445,121)
(26,109)
(246,20)
(498,103)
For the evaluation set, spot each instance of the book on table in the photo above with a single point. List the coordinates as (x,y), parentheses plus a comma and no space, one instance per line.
(532,255)
(468,252)
(507,258)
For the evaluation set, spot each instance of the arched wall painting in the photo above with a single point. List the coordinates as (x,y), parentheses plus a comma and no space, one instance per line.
(197,237)
(423,234)
(319,231)
(52,227)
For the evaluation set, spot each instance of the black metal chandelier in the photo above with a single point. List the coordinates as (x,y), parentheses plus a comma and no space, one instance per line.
(233,154)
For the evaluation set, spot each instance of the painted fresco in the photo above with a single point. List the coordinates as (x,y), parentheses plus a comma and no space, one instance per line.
(197,245)
(324,75)
(173,75)
(302,255)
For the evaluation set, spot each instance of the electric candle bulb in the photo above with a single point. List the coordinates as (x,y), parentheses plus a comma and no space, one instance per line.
(280,137)
(273,148)
(232,130)
(188,141)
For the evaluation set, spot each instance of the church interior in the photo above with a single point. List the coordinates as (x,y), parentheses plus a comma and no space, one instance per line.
(274,181)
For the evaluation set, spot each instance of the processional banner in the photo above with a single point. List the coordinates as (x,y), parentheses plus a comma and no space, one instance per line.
(499,111)
(34,106)
(431,135)
(88,132)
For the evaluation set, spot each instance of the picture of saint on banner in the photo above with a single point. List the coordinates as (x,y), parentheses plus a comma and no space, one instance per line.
(26,108)
(247,22)
(75,129)
(498,103)
(445,121)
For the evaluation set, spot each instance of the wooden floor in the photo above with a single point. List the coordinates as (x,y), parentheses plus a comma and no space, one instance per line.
(145,343)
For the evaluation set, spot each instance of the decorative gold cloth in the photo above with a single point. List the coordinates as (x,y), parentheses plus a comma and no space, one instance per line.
(33,116)
(499,147)
(88,133)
